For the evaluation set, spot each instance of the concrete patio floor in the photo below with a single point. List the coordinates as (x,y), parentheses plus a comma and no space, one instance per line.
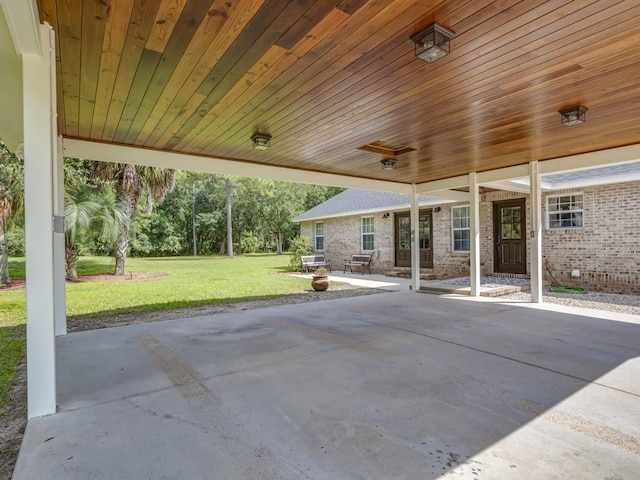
(387,386)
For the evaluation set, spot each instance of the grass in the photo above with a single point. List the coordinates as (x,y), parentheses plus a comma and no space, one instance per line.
(12,342)
(189,281)
(568,290)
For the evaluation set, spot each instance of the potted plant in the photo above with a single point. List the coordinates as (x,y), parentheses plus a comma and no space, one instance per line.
(320,281)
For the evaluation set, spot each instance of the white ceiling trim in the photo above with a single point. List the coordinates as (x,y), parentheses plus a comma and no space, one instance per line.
(502,174)
(106,152)
(587,161)
(509,186)
(451,183)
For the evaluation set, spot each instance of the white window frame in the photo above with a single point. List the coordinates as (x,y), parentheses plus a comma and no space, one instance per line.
(571,209)
(316,237)
(363,233)
(454,229)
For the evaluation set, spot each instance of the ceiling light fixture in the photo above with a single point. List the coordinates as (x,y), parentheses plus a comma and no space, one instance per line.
(261,141)
(573,115)
(388,163)
(432,43)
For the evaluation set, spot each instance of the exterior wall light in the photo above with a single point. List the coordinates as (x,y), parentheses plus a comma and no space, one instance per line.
(432,43)
(573,115)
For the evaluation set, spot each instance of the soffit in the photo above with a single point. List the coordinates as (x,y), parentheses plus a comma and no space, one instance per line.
(326,77)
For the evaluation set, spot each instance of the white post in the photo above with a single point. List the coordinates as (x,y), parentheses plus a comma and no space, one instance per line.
(535,235)
(415,240)
(474,214)
(38,199)
(59,277)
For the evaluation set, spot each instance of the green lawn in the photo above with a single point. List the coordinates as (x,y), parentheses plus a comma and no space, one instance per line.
(189,281)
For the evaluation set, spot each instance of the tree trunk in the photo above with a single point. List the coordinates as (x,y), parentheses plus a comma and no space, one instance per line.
(4,255)
(229,218)
(71,262)
(122,245)
(126,203)
(223,245)
(193,218)
(279,243)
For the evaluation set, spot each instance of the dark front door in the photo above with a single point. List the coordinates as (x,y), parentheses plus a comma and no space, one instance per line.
(510,236)
(403,239)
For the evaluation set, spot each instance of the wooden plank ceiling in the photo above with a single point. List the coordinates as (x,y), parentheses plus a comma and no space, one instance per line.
(326,77)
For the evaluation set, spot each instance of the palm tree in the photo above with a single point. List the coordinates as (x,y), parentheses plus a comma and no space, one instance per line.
(86,209)
(11,202)
(130,183)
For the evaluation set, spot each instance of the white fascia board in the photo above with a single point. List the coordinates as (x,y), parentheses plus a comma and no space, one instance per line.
(452,183)
(502,174)
(389,208)
(509,186)
(450,196)
(23,22)
(586,161)
(106,152)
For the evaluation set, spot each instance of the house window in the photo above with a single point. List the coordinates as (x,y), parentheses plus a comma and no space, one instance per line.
(461,228)
(319,237)
(367,233)
(564,212)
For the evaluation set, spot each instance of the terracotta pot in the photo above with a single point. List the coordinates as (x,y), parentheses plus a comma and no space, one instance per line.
(320,283)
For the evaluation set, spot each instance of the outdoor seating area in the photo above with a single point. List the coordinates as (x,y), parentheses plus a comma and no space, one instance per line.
(359,261)
(312,262)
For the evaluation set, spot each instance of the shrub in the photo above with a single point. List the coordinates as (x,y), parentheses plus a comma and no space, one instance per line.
(15,242)
(249,242)
(299,246)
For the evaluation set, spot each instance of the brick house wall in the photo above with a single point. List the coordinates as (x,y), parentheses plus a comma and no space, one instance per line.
(606,250)
(342,238)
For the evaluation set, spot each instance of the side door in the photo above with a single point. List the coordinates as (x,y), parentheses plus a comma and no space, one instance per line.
(510,236)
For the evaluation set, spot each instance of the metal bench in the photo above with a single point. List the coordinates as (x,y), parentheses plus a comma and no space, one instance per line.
(314,261)
(358,260)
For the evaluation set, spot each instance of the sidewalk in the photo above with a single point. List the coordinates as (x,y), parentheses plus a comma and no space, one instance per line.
(490,286)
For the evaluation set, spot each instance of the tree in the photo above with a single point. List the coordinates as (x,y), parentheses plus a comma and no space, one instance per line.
(228,191)
(130,183)
(279,204)
(11,202)
(87,209)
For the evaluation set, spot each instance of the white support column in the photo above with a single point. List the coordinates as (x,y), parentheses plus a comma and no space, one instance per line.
(38,198)
(60,300)
(415,240)
(535,236)
(474,214)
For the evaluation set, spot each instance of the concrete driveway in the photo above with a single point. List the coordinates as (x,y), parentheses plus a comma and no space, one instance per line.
(389,386)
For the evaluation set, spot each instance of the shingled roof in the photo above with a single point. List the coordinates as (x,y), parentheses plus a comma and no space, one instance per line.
(354,201)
